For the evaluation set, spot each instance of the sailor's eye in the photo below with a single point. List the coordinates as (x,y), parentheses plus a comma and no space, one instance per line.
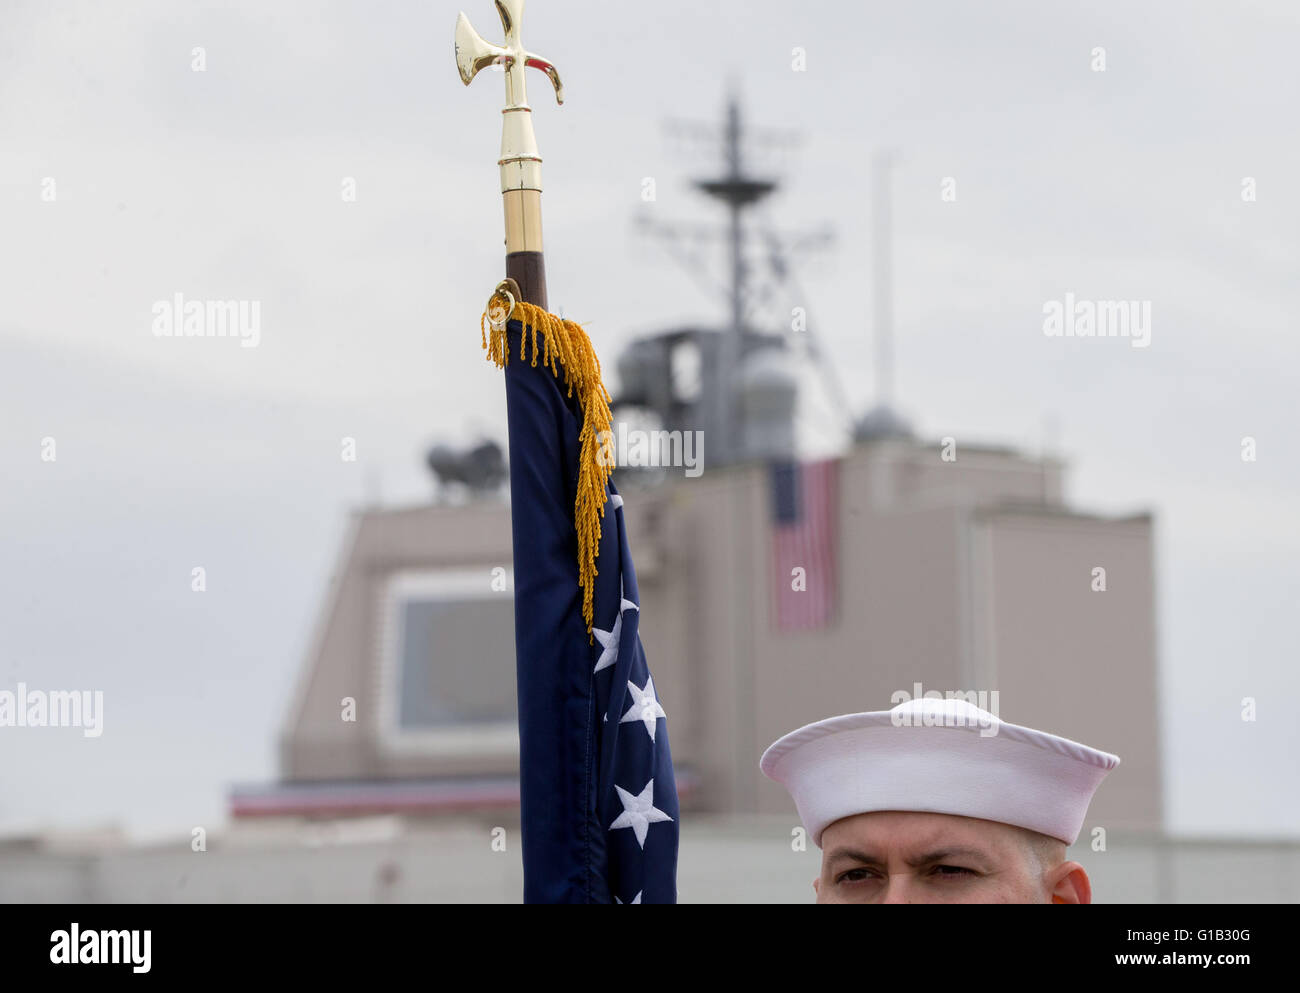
(854,876)
(953,871)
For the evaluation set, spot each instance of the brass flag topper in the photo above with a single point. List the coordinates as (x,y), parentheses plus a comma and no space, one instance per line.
(520,162)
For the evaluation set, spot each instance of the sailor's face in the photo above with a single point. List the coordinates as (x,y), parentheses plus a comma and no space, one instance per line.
(904,857)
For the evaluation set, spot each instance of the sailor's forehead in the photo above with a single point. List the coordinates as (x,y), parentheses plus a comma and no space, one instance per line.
(911,831)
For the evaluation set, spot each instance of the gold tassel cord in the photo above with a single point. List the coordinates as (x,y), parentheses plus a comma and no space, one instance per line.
(566,343)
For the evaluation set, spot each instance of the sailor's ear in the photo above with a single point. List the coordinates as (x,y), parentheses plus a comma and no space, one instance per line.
(817,885)
(1068,883)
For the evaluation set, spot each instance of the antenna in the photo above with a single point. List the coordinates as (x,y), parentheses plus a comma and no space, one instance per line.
(881,421)
(882,271)
(739,191)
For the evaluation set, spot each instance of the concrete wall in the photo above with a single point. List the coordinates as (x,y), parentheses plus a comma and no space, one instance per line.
(940,582)
(1071,660)
(728,860)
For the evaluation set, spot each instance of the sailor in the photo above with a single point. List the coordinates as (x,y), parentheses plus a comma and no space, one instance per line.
(939,801)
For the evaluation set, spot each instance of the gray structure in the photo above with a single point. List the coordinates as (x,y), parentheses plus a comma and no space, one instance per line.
(965,575)
(957,567)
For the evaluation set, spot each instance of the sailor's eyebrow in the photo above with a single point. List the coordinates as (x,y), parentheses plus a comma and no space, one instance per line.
(845,853)
(943,854)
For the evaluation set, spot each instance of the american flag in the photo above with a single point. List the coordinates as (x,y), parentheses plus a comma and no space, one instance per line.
(803,538)
(598,799)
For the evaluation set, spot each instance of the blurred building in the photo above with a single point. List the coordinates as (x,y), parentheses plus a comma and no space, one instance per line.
(399,753)
(965,575)
(942,563)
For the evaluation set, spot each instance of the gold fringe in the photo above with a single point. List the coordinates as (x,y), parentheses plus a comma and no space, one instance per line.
(567,343)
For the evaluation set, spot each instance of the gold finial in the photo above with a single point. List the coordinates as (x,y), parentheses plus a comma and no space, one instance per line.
(520,162)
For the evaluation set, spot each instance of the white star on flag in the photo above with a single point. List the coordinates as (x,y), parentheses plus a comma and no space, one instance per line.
(645,707)
(639,812)
(609,639)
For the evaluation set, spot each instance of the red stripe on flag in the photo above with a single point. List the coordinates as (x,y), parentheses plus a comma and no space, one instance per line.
(807,543)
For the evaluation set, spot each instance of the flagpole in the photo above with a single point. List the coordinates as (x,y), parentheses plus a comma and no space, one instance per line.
(520,162)
(598,805)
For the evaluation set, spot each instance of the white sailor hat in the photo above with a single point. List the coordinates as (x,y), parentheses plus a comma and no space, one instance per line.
(941,756)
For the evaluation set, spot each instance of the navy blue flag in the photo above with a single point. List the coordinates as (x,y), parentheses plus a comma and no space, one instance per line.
(597,794)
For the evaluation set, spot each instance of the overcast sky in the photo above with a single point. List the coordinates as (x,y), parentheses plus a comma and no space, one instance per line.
(1124,184)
